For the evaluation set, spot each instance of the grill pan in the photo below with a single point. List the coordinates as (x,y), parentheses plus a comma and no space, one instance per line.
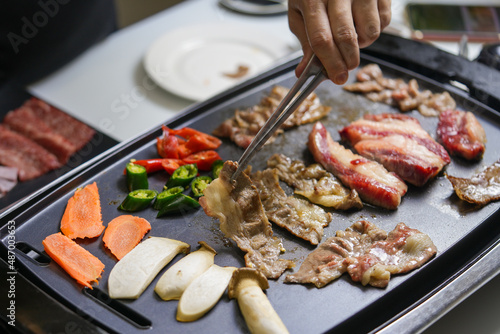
(467,238)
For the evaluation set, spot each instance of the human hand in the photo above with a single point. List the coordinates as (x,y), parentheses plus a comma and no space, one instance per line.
(334,30)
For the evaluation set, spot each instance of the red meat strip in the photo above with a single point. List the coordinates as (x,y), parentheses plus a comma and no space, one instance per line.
(76,132)
(400,144)
(370,179)
(461,134)
(31,159)
(26,122)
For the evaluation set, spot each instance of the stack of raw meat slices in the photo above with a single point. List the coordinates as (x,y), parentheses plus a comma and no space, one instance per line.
(37,137)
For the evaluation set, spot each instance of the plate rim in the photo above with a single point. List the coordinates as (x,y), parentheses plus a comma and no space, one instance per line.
(279,47)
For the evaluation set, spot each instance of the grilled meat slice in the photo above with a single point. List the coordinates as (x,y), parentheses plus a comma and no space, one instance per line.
(315,183)
(481,188)
(374,184)
(299,216)
(245,124)
(400,144)
(405,96)
(242,218)
(462,134)
(367,253)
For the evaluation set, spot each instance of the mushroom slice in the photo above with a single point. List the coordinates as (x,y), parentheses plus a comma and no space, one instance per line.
(247,285)
(133,273)
(176,279)
(203,293)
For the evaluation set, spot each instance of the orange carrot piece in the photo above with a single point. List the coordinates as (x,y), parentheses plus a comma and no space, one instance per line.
(84,267)
(124,233)
(82,217)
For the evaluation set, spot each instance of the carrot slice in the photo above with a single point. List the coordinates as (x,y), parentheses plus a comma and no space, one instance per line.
(82,217)
(124,233)
(84,267)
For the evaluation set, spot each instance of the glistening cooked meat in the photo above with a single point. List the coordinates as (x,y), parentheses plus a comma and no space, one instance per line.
(315,183)
(406,96)
(400,144)
(374,184)
(481,188)
(245,124)
(367,253)
(242,218)
(31,159)
(302,218)
(461,134)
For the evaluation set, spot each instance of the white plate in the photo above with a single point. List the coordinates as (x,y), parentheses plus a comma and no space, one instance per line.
(192,62)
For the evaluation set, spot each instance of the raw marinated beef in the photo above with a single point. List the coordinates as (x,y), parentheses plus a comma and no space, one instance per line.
(462,134)
(367,253)
(299,216)
(24,121)
(245,124)
(242,218)
(31,159)
(374,184)
(315,183)
(400,144)
(76,132)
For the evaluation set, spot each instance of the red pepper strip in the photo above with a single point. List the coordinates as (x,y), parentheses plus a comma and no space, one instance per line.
(152,165)
(170,165)
(189,132)
(203,160)
(199,143)
(167,146)
(171,147)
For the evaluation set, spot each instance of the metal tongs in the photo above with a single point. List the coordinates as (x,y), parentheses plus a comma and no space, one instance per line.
(287,106)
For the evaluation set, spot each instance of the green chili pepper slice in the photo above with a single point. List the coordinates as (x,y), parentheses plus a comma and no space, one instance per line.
(199,184)
(216,168)
(182,176)
(138,200)
(137,177)
(180,203)
(166,196)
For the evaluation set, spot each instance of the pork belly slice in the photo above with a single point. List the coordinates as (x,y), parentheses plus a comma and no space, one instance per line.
(242,218)
(25,121)
(481,188)
(73,130)
(315,183)
(367,253)
(245,124)
(31,159)
(374,184)
(462,134)
(299,216)
(400,144)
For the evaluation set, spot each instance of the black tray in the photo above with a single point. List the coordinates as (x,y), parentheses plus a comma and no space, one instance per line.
(465,236)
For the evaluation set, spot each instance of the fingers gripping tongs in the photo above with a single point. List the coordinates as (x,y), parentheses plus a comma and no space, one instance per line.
(287,106)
